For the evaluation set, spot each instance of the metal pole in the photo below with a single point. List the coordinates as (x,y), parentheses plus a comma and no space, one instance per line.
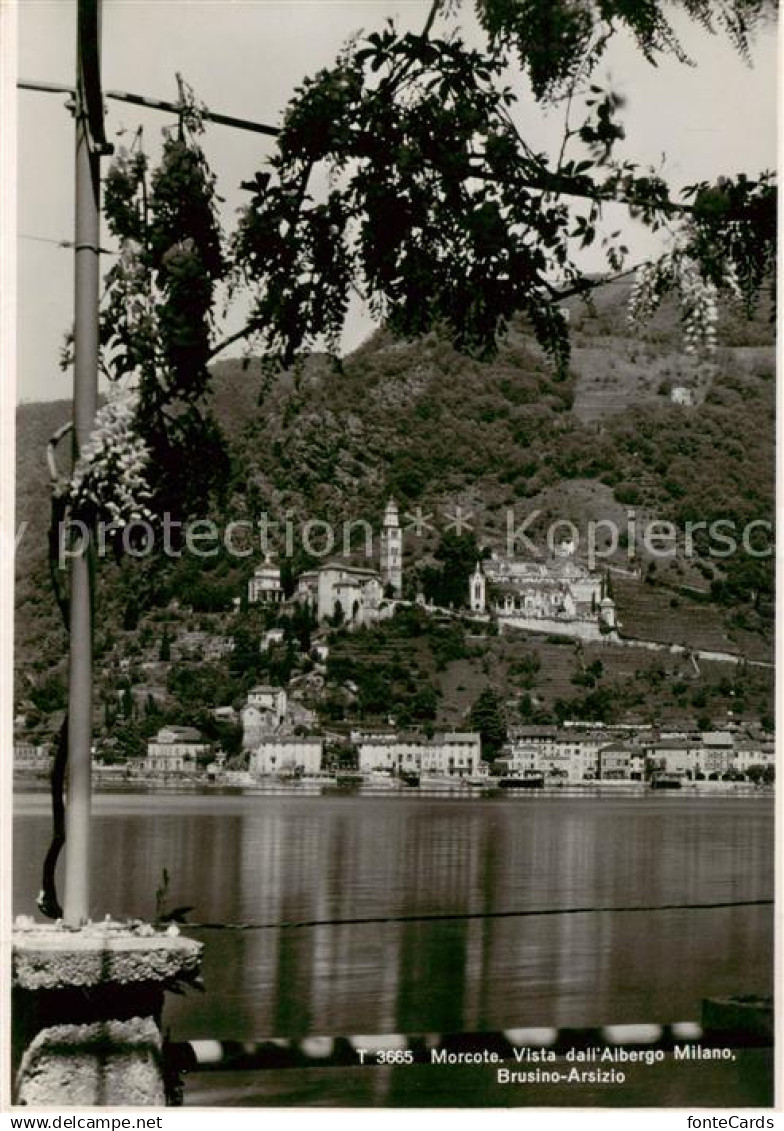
(80,688)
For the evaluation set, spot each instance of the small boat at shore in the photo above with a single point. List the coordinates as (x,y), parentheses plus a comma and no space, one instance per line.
(348,779)
(666,781)
(527,781)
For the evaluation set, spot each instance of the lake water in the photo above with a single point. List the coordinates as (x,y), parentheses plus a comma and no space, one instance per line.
(271,861)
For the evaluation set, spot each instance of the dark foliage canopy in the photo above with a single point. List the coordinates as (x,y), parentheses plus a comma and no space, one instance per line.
(401,174)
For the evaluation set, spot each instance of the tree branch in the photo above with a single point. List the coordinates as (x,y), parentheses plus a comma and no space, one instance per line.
(563,186)
(245,332)
(431,18)
(592,284)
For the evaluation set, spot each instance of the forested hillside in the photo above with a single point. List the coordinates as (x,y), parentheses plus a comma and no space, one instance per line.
(440,430)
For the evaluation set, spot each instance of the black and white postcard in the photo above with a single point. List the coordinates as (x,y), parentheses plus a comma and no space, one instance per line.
(391,715)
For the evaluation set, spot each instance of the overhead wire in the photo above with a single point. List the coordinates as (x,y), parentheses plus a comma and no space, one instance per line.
(435,917)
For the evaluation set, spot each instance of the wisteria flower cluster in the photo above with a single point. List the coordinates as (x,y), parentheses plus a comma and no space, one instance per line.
(699,306)
(648,289)
(132,278)
(697,296)
(109,480)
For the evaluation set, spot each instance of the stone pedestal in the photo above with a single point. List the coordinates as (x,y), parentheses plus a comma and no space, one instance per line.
(86,1012)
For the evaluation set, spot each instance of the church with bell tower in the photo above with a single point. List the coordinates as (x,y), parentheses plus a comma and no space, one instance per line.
(392,550)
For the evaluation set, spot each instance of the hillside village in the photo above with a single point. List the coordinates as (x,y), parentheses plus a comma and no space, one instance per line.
(412,641)
(311,723)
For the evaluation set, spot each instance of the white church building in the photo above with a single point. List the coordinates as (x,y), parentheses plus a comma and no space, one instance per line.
(337,587)
(265,586)
(559,595)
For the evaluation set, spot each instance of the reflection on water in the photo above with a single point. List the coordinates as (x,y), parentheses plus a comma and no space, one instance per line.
(269,861)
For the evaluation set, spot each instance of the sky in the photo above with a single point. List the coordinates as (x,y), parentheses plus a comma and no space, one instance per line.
(245,57)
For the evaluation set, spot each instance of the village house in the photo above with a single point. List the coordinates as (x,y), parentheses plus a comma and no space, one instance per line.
(274,711)
(682,395)
(175,750)
(687,757)
(211,646)
(268,698)
(717,753)
(224,714)
(637,764)
(392,753)
(31,756)
(615,762)
(750,753)
(288,756)
(217,647)
(710,755)
(567,754)
(455,754)
(573,755)
(299,717)
(262,714)
(271,638)
(673,756)
(540,738)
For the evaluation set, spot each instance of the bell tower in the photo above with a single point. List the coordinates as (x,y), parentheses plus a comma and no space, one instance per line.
(477,590)
(392,550)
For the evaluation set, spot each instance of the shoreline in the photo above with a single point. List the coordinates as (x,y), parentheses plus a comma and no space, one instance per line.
(37,784)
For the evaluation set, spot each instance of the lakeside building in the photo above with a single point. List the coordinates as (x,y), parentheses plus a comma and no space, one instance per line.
(262,714)
(621,761)
(749,752)
(288,755)
(31,756)
(454,754)
(451,754)
(710,754)
(391,753)
(175,750)
(275,712)
(575,756)
(674,757)
(562,754)
(568,754)
(717,753)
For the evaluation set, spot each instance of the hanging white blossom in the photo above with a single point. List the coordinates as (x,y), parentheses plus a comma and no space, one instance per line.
(678,272)
(650,283)
(110,475)
(699,306)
